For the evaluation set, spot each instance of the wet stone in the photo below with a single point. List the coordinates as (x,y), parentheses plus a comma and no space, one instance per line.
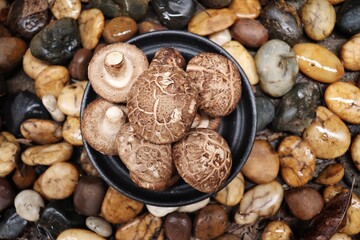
(297,108)
(108,7)
(178,226)
(91,26)
(11,224)
(265,112)
(79,64)
(216,3)
(249,32)
(65,8)
(119,29)
(57,42)
(210,222)
(7,194)
(135,9)
(27,18)
(24,176)
(348,18)
(174,14)
(246,8)
(12,50)
(148,26)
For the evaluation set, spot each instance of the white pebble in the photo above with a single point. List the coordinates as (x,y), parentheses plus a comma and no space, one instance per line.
(28,204)
(99,226)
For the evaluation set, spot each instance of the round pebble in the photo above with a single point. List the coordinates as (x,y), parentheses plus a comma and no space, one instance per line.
(79,64)
(71,131)
(246,8)
(12,50)
(221,37)
(28,204)
(348,19)
(331,174)
(350,53)
(147,26)
(41,131)
(24,177)
(249,32)
(51,80)
(69,98)
(78,234)
(99,226)
(178,226)
(33,66)
(66,8)
(119,29)
(91,26)
(232,194)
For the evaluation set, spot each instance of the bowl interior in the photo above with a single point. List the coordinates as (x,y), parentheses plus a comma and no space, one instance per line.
(238,128)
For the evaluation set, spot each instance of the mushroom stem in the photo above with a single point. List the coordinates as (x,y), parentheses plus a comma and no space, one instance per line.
(114,63)
(113,114)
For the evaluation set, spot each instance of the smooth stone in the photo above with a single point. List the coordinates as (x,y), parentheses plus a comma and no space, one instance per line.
(220,38)
(99,226)
(178,226)
(136,9)
(160,211)
(327,135)
(108,7)
(282,22)
(246,8)
(19,81)
(78,234)
(193,207)
(57,217)
(318,18)
(265,112)
(119,29)
(7,194)
(66,8)
(263,163)
(318,63)
(86,164)
(277,229)
(355,151)
(11,224)
(249,32)
(232,194)
(69,99)
(216,3)
(210,222)
(12,50)
(348,18)
(33,66)
(79,64)
(41,131)
(28,204)
(244,58)
(174,14)
(296,109)
(50,103)
(71,131)
(51,81)
(27,18)
(350,54)
(19,107)
(57,42)
(343,99)
(277,67)
(332,174)
(24,177)
(9,149)
(89,194)
(91,25)
(147,26)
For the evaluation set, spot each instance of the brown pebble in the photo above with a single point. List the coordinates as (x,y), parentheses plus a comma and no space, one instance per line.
(7,194)
(119,29)
(12,49)
(24,177)
(249,32)
(4,32)
(178,226)
(79,64)
(147,26)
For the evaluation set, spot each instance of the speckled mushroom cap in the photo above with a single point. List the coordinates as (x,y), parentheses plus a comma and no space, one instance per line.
(203,159)
(100,123)
(157,185)
(114,68)
(150,164)
(168,56)
(162,104)
(218,81)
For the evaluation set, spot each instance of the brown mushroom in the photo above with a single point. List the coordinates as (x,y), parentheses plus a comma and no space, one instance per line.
(114,68)
(218,81)
(100,124)
(168,56)
(162,104)
(150,165)
(203,121)
(203,159)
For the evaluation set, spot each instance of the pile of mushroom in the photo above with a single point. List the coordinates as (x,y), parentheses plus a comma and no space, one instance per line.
(153,115)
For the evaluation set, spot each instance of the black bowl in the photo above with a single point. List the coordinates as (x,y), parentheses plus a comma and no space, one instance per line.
(238,128)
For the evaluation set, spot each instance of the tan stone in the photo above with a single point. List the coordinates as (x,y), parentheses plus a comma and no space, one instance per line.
(246,8)
(51,80)
(91,26)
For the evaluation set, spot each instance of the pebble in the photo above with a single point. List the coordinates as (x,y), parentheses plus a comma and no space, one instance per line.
(11,224)
(66,8)
(216,3)
(343,99)
(116,208)
(246,8)
(109,8)
(4,32)
(221,37)
(318,62)
(27,18)
(211,21)
(24,177)
(331,174)
(145,227)
(210,222)
(348,18)
(91,25)
(327,135)
(51,80)
(232,193)
(265,112)
(249,32)
(21,106)
(47,154)
(79,64)
(277,67)
(78,234)
(57,42)
(297,161)
(136,9)
(50,103)
(12,50)
(69,99)
(340,236)
(296,109)
(147,26)
(99,226)
(7,194)
(350,53)
(160,211)
(86,164)
(318,18)
(259,169)
(355,151)
(71,131)
(277,230)
(178,226)
(282,22)
(174,14)
(33,66)
(119,29)
(244,58)
(9,149)
(194,206)
(58,216)
(89,194)
(28,204)
(41,131)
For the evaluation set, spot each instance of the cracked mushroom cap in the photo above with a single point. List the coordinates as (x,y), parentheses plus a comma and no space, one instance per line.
(168,56)
(114,68)
(203,159)
(150,165)
(100,123)
(218,81)
(162,104)
(204,121)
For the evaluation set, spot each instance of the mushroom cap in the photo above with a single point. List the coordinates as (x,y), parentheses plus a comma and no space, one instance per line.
(100,123)
(168,56)
(218,81)
(148,163)
(155,185)
(162,104)
(204,121)
(114,85)
(203,159)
